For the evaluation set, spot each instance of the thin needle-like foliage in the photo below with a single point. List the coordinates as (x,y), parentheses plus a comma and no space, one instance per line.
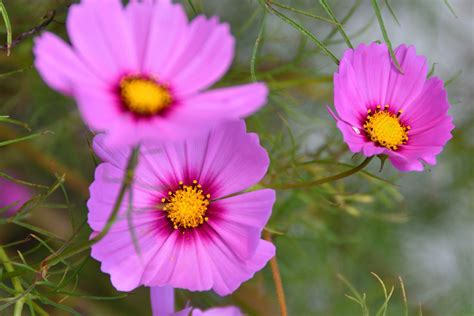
(337,216)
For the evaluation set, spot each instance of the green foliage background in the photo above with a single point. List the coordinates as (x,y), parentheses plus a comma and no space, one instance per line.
(416,226)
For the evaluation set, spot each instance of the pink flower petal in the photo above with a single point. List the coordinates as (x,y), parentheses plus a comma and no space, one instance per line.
(229,274)
(353,136)
(224,103)
(99,108)
(120,259)
(12,197)
(367,74)
(404,88)
(162,300)
(101,35)
(60,67)
(199,262)
(403,164)
(210,159)
(139,15)
(104,194)
(225,171)
(218,311)
(207,45)
(428,108)
(353,93)
(117,156)
(436,135)
(184,312)
(239,220)
(166,33)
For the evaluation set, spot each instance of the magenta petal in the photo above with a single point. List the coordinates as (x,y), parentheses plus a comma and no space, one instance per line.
(199,261)
(228,275)
(59,66)
(218,311)
(372,69)
(356,140)
(162,300)
(367,77)
(116,156)
(352,91)
(211,159)
(207,45)
(224,103)
(104,193)
(239,220)
(404,88)
(98,107)
(183,312)
(370,149)
(224,170)
(12,197)
(423,146)
(98,42)
(139,15)
(166,33)
(429,107)
(120,259)
(353,136)
(403,164)
(162,269)
(436,135)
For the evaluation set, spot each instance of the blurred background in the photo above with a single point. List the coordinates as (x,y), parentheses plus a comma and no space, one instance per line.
(417,227)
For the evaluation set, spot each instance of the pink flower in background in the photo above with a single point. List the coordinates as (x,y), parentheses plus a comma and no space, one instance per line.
(162,302)
(12,197)
(141,72)
(382,111)
(194,227)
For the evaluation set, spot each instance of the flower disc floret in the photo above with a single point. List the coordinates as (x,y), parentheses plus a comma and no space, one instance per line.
(144,96)
(187,206)
(385,129)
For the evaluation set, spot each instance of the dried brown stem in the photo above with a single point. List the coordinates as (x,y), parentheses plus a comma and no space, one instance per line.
(277,278)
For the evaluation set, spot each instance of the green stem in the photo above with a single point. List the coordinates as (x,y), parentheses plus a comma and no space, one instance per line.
(13,141)
(305,32)
(256,47)
(127,181)
(8,26)
(15,281)
(339,176)
(329,11)
(305,13)
(378,14)
(39,309)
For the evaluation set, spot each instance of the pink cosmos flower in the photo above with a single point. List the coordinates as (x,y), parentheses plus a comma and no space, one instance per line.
(382,111)
(141,72)
(162,302)
(12,197)
(193,227)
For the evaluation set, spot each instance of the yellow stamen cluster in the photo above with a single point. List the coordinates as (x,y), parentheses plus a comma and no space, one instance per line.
(144,96)
(385,129)
(187,206)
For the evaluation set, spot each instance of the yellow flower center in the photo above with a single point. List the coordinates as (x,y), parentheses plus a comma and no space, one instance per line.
(144,96)
(385,129)
(187,206)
